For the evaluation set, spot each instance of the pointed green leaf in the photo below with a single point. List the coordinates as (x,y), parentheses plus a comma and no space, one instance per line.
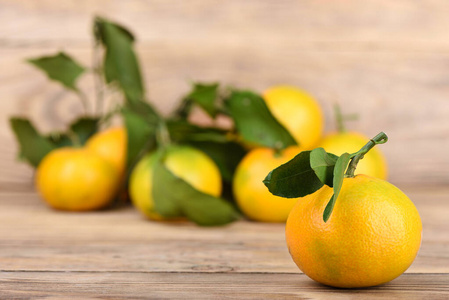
(339,175)
(141,135)
(165,196)
(84,128)
(207,210)
(255,122)
(293,179)
(57,139)
(205,95)
(33,146)
(141,121)
(100,37)
(61,68)
(144,110)
(183,132)
(173,197)
(323,164)
(120,63)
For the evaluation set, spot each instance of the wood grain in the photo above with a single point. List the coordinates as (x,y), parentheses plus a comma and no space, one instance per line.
(34,237)
(285,20)
(117,254)
(387,61)
(142,285)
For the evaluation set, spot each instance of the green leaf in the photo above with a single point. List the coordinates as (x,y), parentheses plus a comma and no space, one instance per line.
(182,131)
(339,175)
(207,210)
(205,95)
(165,196)
(323,164)
(57,139)
(293,179)
(140,135)
(98,34)
(255,122)
(141,121)
(144,110)
(33,146)
(120,63)
(61,68)
(173,197)
(84,128)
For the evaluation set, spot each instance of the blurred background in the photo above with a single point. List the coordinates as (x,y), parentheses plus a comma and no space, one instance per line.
(386,61)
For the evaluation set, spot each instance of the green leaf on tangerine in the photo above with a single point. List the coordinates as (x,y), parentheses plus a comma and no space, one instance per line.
(205,95)
(174,197)
(141,135)
(254,121)
(339,175)
(293,179)
(165,194)
(182,131)
(323,164)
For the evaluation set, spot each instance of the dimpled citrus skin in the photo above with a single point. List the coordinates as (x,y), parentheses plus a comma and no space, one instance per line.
(111,145)
(298,112)
(373,234)
(252,196)
(373,164)
(188,163)
(76,179)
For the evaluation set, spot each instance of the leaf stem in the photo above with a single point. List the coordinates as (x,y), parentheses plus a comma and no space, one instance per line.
(341,118)
(380,138)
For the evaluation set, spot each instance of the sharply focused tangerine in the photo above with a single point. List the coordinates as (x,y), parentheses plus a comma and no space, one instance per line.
(372,236)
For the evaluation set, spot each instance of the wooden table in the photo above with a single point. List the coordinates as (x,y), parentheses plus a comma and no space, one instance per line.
(387,61)
(117,254)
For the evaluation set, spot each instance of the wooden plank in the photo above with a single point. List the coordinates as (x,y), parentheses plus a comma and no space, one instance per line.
(371,56)
(369,22)
(99,285)
(33,237)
